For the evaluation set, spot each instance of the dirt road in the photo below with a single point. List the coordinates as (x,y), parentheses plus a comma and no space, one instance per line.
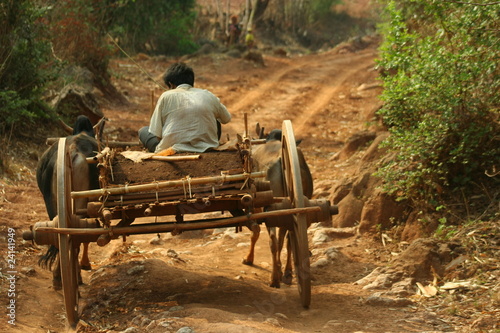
(196,280)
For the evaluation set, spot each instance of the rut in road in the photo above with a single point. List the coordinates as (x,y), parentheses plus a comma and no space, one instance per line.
(344,68)
(300,89)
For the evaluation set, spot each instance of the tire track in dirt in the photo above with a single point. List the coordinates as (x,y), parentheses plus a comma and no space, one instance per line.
(259,96)
(265,86)
(339,70)
(292,90)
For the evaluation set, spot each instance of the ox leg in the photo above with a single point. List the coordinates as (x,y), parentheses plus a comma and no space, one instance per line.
(255,228)
(56,275)
(85,261)
(287,275)
(80,279)
(274,245)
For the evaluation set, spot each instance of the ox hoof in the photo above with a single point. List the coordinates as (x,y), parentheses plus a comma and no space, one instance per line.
(247,262)
(86,267)
(287,278)
(57,284)
(275,285)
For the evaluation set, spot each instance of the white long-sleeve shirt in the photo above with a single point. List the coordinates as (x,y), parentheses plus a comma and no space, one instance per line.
(185,119)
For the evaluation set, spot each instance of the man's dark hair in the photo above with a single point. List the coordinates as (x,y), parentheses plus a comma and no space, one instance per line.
(178,74)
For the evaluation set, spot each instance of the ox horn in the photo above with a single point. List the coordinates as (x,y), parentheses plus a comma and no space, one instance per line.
(260,131)
(97,127)
(65,126)
(99,123)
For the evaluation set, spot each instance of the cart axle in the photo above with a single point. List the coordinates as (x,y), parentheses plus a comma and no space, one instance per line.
(44,233)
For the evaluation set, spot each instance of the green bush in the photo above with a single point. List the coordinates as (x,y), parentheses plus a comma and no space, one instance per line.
(36,40)
(23,63)
(321,9)
(441,81)
(155,26)
(14,108)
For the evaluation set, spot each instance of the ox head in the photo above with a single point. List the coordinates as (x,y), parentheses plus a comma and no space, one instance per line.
(83,125)
(82,144)
(268,157)
(274,135)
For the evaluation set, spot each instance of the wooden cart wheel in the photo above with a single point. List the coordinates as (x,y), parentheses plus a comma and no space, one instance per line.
(68,253)
(293,190)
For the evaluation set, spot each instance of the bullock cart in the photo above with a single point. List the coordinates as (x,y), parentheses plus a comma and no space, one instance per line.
(230,185)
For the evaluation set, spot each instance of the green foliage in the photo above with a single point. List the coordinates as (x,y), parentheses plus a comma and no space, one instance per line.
(444,230)
(39,37)
(321,9)
(157,26)
(441,95)
(23,58)
(14,108)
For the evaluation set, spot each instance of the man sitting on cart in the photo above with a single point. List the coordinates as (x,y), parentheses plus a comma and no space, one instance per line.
(185,119)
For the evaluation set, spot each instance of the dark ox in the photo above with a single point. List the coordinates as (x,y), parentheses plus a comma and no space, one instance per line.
(84,176)
(268,157)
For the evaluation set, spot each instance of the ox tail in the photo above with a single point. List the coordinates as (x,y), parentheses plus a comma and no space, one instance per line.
(47,260)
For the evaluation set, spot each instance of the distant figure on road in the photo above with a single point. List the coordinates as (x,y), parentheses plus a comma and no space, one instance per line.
(234,31)
(249,39)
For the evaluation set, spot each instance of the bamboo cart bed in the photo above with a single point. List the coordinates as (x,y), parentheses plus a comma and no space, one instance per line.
(126,171)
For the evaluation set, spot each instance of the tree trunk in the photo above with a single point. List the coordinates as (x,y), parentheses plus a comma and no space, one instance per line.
(246,19)
(220,18)
(260,8)
(252,14)
(102,81)
(228,15)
